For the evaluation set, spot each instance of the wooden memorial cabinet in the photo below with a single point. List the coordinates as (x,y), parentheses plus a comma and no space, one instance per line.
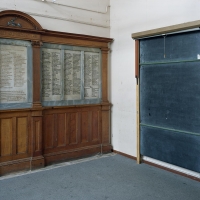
(53,94)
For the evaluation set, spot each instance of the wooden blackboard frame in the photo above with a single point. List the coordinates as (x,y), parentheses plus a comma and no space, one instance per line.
(191,26)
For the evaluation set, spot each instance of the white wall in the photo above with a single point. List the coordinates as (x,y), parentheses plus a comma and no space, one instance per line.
(129,16)
(73,20)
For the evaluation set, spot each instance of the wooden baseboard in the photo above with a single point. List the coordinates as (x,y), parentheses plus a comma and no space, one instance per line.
(21,165)
(158,166)
(14,166)
(125,155)
(32,163)
(107,148)
(37,162)
(171,170)
(63,156)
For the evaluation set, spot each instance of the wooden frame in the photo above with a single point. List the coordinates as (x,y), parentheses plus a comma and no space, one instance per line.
(82,99)
(137,76)
(34,137)
(27,47)
(193,26)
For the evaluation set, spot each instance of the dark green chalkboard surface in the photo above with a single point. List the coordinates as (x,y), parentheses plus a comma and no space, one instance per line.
(170,99)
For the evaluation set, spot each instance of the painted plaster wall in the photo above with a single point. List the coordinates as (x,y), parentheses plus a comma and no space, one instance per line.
(66,19)
(127,17)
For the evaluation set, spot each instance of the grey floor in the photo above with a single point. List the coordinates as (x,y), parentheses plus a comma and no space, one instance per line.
(113,177)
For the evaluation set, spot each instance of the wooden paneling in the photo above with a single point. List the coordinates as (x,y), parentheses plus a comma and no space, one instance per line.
(68,127)
(106,124)
(38,128)
(22,135)
(95,126)
(14,136)
(61,130)
(6,137)
(48,131)
(36,138)
(85,127)
(66,132)
(72,128)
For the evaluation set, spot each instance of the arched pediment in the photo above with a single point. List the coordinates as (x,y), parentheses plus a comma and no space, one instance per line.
(17,19)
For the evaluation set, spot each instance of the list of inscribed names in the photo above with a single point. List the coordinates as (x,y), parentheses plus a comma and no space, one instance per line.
(62,75)
(72,75)
(91,75)
(13,74)
(51,75)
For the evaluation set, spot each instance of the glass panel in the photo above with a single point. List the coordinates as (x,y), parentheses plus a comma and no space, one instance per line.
(91,75)
(72,75)
(51,75)
(15,74)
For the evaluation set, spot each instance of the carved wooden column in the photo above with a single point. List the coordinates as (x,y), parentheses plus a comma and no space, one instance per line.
(37,159)
(36,73)
(105,108)
(105,74)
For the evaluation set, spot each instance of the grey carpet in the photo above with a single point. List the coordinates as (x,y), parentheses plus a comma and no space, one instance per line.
(110,178)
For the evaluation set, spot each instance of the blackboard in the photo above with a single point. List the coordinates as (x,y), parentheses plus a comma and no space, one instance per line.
(177,47)
(170,99)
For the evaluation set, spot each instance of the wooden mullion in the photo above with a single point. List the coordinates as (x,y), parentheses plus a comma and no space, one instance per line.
(14,136)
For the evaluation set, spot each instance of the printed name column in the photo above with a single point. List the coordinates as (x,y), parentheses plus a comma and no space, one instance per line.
(51,75)
(91,75)
(72,75)
(13,74)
